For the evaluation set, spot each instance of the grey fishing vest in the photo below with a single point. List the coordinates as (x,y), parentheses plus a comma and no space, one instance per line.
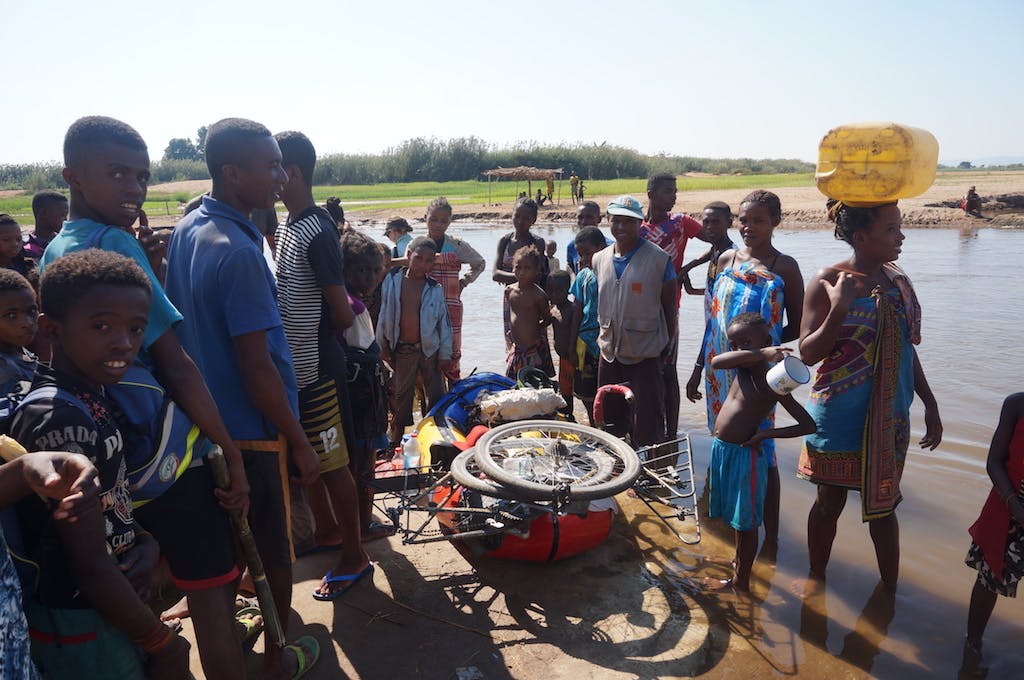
(629,311)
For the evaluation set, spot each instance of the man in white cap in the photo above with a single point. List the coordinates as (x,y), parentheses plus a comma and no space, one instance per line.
(636,291)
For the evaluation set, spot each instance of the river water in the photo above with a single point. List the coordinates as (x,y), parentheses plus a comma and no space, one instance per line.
(969,314)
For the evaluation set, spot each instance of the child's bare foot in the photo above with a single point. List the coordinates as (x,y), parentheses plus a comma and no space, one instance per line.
(176,612)
(805,588)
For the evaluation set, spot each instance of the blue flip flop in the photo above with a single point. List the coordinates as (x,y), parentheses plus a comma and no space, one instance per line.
(349,579)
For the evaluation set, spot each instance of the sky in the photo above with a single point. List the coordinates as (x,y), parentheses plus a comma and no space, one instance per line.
(717,78)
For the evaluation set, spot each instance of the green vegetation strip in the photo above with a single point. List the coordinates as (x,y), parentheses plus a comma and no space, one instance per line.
(470,192)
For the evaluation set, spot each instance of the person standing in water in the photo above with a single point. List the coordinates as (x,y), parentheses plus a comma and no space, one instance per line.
(754,278)
(861,319)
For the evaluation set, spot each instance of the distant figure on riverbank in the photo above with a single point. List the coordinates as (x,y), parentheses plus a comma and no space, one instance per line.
(997,538)
(574,186)
(549,184)
(540,198)
(972,203)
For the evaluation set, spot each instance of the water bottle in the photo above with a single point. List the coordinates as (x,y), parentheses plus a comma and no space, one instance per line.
(411,452)
(876,162)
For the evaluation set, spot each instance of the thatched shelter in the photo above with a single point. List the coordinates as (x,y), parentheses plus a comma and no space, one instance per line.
(528,173)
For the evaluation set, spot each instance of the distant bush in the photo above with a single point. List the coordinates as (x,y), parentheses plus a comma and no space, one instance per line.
(463,158)
(178,170)
(32,176)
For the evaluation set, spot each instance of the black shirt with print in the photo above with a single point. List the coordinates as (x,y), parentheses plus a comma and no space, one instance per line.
(54,424)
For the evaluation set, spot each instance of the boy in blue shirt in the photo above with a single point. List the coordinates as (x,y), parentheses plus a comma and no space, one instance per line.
(217,276)
(587,355)
(106,166)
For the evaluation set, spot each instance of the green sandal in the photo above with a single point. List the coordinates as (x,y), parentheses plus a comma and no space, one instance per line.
(250,625)
(307,651)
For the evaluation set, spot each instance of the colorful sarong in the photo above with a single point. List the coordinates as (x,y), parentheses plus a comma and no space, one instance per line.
(860,402)
(738,290)
(447,267)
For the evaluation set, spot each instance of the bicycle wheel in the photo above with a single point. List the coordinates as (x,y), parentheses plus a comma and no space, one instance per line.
(538,458)
(467,473)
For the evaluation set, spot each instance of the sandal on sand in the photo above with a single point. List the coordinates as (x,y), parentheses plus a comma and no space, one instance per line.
(376,530)
(307,651)
(350,580)
(246,601)
(250,625)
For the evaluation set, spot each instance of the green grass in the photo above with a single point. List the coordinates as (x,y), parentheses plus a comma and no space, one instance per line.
(470,192)
(20,206)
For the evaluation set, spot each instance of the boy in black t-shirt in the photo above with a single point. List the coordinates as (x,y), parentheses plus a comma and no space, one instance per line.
(87,609)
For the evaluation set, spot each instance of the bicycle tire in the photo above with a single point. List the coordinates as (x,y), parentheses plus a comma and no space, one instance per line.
(593,464)
(466,472)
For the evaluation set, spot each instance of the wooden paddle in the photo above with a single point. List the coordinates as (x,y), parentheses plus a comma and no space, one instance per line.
(271,623)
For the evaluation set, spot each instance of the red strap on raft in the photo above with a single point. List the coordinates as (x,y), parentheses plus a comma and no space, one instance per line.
(474,434)
(599,398)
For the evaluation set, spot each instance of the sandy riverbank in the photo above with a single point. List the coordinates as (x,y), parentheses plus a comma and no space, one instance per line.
(803,207)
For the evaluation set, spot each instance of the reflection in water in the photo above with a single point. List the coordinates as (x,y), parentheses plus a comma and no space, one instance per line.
(862,644)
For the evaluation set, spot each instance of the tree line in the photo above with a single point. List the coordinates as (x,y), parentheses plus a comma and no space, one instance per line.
(437,160)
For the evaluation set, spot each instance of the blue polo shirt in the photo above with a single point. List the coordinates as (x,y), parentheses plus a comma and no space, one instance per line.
(80,234)
(218,278)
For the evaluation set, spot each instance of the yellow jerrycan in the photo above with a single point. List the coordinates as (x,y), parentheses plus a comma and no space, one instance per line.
(866,163)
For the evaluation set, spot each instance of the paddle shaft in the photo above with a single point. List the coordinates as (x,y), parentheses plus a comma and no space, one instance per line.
(272,624)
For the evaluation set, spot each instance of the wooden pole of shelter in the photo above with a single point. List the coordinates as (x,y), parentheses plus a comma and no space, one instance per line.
(489,180)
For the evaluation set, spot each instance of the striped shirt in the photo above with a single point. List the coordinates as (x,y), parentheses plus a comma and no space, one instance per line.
(308,259)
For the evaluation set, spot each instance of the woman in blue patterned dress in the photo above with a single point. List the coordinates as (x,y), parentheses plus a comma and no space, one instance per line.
(754,278)
(862,320)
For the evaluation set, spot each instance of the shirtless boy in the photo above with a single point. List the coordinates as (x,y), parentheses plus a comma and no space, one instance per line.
(527,311)
(737,482)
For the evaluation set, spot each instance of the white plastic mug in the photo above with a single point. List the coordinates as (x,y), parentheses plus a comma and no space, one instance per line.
(787,375)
